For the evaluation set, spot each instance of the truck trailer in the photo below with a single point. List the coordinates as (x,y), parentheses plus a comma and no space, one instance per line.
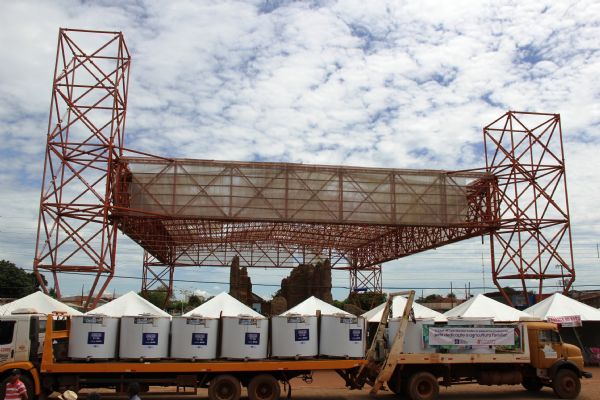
(37,346)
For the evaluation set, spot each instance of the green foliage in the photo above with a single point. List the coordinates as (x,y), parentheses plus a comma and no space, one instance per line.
(365,301)
(194,301)
(15,282)
(433,298)
(339,304)
(155,297)
(175,306)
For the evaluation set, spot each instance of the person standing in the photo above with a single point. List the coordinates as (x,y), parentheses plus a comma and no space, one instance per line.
(15,389)
(133,391)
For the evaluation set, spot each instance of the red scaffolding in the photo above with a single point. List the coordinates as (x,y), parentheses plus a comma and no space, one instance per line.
(187,213)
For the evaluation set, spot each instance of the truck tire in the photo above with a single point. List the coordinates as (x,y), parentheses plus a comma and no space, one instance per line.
(566,384)
(224,387)
(423,386)
(264,387)
(532,383)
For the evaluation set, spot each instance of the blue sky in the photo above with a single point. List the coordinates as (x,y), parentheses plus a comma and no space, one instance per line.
(394,84)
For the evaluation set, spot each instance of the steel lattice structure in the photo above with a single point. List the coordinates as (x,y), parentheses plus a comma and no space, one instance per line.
(187,213)
(85,136)
(524,151)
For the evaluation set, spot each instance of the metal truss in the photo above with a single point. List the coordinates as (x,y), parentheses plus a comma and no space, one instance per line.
(524,151)
(85,136)
(157,277)
(366,280)
(279,215)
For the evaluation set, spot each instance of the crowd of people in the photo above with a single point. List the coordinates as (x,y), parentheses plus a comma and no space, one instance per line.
(16,390)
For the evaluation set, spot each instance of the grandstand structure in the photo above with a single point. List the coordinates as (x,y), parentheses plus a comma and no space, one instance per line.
(196,213)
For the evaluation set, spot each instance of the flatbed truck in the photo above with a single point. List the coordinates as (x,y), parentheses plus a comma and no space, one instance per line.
(543,361)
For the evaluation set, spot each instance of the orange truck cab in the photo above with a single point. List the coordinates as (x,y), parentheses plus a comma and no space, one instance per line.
(556,364)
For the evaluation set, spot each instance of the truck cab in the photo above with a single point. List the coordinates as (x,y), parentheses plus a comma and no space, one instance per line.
(553,363)
(21,336)
(21,339)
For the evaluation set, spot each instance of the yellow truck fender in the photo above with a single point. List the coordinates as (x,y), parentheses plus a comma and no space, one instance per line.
(561,364)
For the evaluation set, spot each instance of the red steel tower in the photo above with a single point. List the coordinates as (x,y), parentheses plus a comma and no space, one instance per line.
(85,137)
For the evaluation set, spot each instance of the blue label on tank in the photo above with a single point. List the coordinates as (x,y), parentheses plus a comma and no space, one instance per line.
(355,335)
(150,339)
(301,335)
(252,338)
(95,337)
(199,339)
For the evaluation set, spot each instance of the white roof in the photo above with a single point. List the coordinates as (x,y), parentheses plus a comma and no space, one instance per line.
(40,302)
(223,304)
(483,307)
(311,305)
(559,305)
(130,304)
(398,304)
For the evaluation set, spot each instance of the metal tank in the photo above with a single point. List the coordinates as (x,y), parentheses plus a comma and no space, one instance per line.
(194,338)
(294,335)
(93,336)
(244,337)
(342,335)
(144,337)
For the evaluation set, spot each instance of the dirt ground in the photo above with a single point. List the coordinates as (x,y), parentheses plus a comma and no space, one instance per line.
(328,385)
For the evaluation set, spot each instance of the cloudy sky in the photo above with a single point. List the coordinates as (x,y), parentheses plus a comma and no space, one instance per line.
(391,84)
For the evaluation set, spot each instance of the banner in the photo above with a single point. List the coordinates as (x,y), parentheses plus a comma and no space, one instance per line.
(566,321)
(471,336)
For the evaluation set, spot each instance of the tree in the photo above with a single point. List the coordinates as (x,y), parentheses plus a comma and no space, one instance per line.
(15,282)
(433,298)
(451,296)
(155,297)
(195,300)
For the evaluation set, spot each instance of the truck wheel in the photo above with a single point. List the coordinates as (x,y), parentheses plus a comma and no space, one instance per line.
(264,387)
(423,386)
(532,383)
(566,384)
(224,387)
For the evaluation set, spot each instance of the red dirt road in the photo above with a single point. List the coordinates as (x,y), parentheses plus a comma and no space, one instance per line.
(328,385)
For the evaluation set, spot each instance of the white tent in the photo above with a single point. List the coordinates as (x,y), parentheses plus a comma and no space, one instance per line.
(483,307)
(40,302)
(398,304)
(559,305)
(130,304)
(311,305)
(225,305)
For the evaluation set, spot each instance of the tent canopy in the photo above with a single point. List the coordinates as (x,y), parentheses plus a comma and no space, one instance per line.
(559,305)
(398,304)
(223,304)
(483,307)
(40,302)
(130,304)
(311,305)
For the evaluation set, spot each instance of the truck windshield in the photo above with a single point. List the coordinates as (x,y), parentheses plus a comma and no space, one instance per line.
(6,332)
(549,336)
